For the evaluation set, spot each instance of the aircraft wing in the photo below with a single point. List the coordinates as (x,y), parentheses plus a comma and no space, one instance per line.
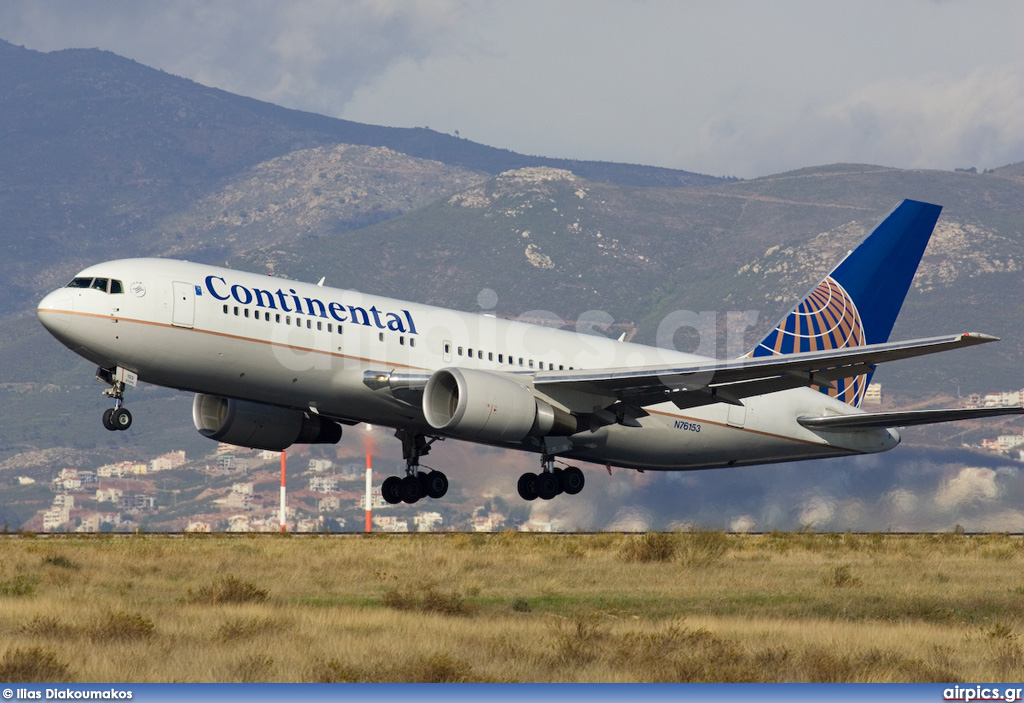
(903,418)
(729,381)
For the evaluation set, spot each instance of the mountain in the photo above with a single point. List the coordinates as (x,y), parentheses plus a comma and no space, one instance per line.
(97,148)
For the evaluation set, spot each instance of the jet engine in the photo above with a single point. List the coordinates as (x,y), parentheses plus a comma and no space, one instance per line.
(259,426)
(481,405)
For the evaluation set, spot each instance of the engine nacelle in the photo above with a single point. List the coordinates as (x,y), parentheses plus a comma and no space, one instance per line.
(488,406)
(259,426)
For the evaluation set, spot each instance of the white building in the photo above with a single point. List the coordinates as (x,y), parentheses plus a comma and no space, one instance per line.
(328,504)
(874,393)
(320,465)
(90,523)
(121,469)
(170,460)
(238,501)
(1009,441)
(390,523)
(323,484)
(427,522)
(109,495)
(55,517)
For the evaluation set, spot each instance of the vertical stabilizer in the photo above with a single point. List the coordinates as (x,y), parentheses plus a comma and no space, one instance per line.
(857,303)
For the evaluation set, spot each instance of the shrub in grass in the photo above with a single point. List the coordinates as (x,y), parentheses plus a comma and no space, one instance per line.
(703,547)
(426,668)
(434,668)
(33,665)
(253,669)
(60,561)
(840,577)
(46,626)
(650,546)
(333,671)
(426,599)
(122,627)
(228,590)
(521,605)
(20,585)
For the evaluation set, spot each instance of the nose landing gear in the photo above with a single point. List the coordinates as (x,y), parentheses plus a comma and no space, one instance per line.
(117,417)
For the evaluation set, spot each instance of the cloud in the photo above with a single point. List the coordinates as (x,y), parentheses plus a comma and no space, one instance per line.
(934,121)
(971,485)
(311,53)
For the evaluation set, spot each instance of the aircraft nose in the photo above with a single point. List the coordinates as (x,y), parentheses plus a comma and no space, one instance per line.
(54,312)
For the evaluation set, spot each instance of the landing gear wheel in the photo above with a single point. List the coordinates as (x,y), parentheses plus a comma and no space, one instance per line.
(547,486)
(391,490)
(121,419)
(527,486)
(435,484)
(572,480)
(107,422)
(411,489)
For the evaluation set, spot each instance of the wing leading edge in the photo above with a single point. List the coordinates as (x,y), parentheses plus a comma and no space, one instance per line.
(729,381)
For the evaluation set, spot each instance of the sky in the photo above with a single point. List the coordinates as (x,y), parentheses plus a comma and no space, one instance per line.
(733,87)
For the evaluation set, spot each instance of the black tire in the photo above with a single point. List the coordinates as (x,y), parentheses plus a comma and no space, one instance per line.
(391,490)
(121,419)
(435,484)
(107,422)
(572,480)
(547,486)
(411,490)
(527,486)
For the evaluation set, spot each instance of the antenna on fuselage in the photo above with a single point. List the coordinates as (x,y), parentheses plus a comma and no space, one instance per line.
(321,281)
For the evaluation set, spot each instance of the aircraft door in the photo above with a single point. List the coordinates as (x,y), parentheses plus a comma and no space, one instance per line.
(183,313)
(737,415)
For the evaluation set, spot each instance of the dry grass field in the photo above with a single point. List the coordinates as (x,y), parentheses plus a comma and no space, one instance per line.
(700,606)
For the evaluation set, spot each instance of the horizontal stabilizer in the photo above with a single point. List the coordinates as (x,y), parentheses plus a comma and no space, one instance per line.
(905,418)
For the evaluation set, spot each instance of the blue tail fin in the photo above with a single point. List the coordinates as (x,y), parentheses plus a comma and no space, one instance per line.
(858,301)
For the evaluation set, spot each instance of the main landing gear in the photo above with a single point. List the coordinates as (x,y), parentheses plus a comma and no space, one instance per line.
(117,417)
(551,481)
(417,483)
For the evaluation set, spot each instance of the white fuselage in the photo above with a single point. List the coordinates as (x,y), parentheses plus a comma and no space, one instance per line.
(240,335)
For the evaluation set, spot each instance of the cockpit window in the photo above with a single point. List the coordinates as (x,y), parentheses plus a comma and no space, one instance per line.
(104,284)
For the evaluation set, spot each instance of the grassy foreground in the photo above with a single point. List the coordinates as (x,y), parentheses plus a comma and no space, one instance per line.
(701,606)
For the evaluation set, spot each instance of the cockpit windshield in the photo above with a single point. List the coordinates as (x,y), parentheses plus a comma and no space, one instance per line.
(106,285)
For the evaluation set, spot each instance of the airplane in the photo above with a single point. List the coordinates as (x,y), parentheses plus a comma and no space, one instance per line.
(273,362)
